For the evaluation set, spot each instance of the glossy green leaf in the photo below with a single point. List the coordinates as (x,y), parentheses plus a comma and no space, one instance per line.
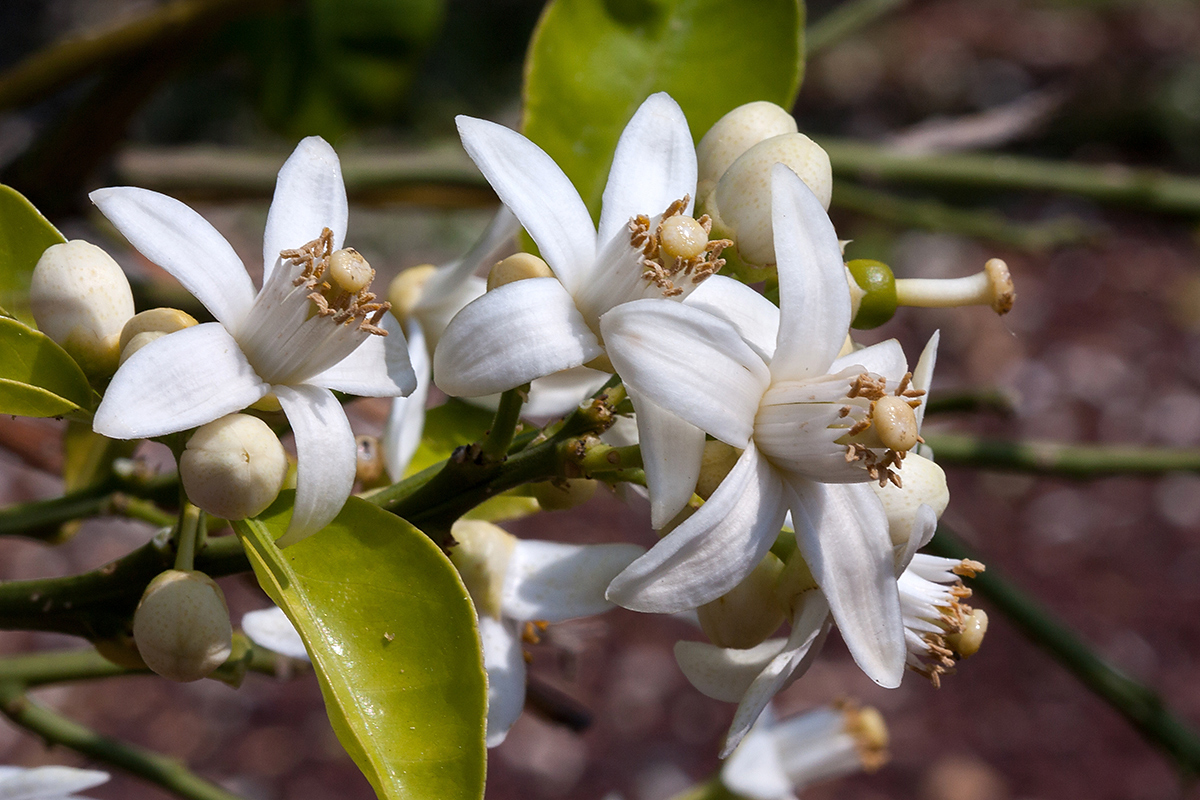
(592,62)
(37,377)
(24,236)
(392,635)
(447,427)
(88,457)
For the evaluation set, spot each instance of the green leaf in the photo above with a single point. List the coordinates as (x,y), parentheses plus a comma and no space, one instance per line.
(37,377)
(392,635)
(448,427)
(592,62)
(88,457)
(24,236)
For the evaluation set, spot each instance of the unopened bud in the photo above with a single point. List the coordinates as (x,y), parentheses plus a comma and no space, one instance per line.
(233,467)
(992,287)
(518,267)
(405,290)
(734,134)
(794,582)
(563,494)
(750,612)
(155,320)
(182,627)
(349,271)
(81,299)
(481,554)
(740,206)
(137,343)
(924,484)
(718,460)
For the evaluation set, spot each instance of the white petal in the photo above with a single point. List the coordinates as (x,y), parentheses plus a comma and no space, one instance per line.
(511,335)
(560,393)
(814,298)
(270,628)
(505,665)
(406,420)
(754,770)
(672,454)
(754,317)
(176,382)
(531,184)
(714,549)
(653,166)
(47,783)
(323,440)
(555,582)
(806,630)
(724,673)
(689,362)
(309,196)
(842,532)
(885,359)
(794,428)
(923,527)
(379,367)
(183,243)
(449,280)
(923,373)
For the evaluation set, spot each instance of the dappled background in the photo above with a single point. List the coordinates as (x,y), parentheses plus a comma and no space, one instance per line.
(1102,346)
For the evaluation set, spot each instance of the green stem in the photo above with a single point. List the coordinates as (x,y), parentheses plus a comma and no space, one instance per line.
(997,400)
(843,22)
(190,520)
(1148,188)
(931,215)
(495,444)
(1140,706)
(168,773)
(1053,458)
(602,458)
(41,519)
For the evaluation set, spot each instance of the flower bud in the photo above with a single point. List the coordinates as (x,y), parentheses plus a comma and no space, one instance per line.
(873,293)
(718,460)
(138,341)
(155,320)
(405,290)
(734,134)
(740,206)
(481,554)
(81,299)
(182,627)
(518,267)
(233,467)
(795,581)
(924,483)
(750,612)
(563,494)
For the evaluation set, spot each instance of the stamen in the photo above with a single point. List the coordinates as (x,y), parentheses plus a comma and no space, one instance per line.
(678,246)
(348,296)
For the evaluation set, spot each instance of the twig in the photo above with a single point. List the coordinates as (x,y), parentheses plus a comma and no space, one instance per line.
(843,22)
(495,444)
(1052,458)
(1140,706)
(997,400)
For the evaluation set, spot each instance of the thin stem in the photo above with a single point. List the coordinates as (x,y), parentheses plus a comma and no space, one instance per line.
(843,22)
(168,773)
(1147,188)
(41,519)
(495,444)
(996,400)
(1140,706)
(1053,458)
(58,666)
(185,546)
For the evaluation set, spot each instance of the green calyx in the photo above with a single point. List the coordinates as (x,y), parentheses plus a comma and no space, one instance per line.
(879,304)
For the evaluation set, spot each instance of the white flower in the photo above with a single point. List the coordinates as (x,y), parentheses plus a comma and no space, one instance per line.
(47,783)
(804,418)
(938,627)
(298,338)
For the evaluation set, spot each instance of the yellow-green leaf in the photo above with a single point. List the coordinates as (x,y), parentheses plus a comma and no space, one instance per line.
(392,635)
(592,62)
(24,236)
(447,427)
(37,377)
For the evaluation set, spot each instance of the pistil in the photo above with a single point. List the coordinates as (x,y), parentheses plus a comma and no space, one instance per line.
(677,247)
(340,282)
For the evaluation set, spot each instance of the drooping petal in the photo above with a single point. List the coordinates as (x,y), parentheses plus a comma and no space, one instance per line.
(755,770)
(270,628)
(511,335)
(806,630)
(672,453)
(653,166)
(406,419)
(714,549)
(842,532)
(505,665)
(555,582)
(814,297)
(47,783)
(885,359)
(379,367)
(325,458)
(754,317)
(183,243)
(689,362)
(724,673)
(923,373)
(176,382)
(309,196)
(532,185)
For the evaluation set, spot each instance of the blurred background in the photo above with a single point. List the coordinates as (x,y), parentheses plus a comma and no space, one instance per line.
(1102,346)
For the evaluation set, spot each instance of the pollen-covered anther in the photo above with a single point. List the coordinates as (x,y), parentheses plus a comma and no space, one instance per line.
(531,633)
(346,294)
(678,245)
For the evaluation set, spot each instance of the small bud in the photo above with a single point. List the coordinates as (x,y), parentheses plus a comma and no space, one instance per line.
(518,267)
(349,271)
(182,627)
(405,290)
(161,320)
(740,206)
(481,553)
(233,467)
(563,494)
(750,612)
(734,134)
(874,289)
(924,484)
(718,460)
(895,423)
(81,299)
(139,341)
(992,287)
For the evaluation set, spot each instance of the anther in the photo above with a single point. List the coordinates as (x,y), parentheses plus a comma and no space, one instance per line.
(991,287)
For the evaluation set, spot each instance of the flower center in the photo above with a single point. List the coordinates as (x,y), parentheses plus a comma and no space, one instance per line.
(891,422)
(677,247)
(340,283)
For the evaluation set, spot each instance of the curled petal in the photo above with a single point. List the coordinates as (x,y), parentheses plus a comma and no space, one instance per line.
(755,769)
(923,527)
(555,582)
(672,454)
(923,373)
(379,367)
(177,382)
(724,673)
(560,393)
(309,196)
(885,359)
(47,783)
(505,665)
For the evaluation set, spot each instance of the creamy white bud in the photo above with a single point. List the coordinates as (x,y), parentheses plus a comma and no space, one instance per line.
(518,267)
(81,299)
(139,341)
(182,627)
(233,467)
(719,458)
(924,483)
(734,134)
(750,612)
(740,206)
(481,554)
(155,320)
(405,290)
